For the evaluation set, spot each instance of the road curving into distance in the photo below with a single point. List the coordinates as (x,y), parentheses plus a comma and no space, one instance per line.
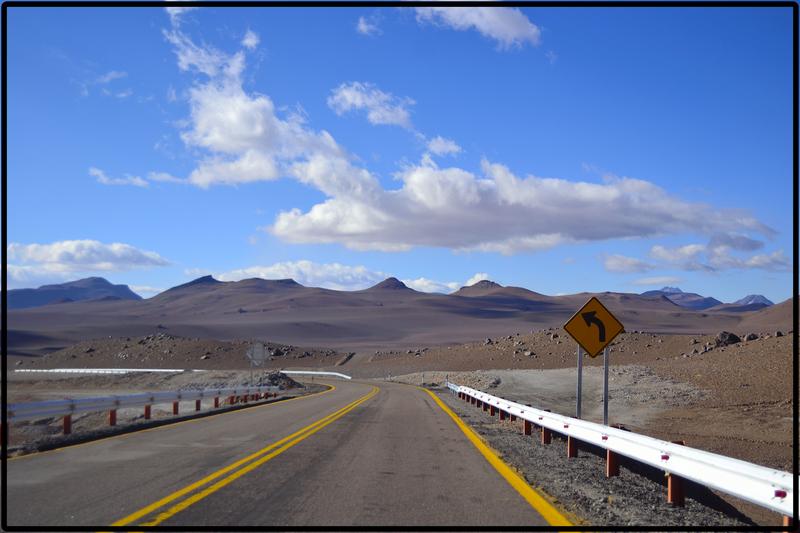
(359,454)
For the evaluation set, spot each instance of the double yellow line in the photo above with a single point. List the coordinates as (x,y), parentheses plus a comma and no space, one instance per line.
(233,471)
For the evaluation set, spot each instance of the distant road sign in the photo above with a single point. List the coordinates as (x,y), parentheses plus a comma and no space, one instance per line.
(256,353)
(593,327)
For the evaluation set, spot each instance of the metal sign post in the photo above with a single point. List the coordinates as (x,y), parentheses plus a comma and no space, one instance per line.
(593,327)
(605,386)
(256,354)
(580,381)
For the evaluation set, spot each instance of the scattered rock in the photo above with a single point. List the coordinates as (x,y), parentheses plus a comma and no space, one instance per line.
(779,333)
(726,338)
(750,337)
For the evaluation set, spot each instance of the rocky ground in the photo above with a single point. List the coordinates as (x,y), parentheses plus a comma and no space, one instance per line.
(162,350)
(730,394)
(34,435)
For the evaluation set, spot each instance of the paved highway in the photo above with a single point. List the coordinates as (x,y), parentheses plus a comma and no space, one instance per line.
(360,454)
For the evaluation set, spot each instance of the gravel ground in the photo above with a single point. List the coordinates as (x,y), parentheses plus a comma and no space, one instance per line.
(637,497)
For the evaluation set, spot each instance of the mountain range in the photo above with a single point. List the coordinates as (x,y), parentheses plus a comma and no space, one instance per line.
(71,291)
(387,314)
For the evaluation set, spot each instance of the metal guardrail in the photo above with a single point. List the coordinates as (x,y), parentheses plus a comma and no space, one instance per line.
(757,484)
(315,373)
(33,410)
(103,370)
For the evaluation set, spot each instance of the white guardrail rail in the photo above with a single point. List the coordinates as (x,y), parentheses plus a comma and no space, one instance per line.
(315,373)
(103,370)
(760,485)
(49,408)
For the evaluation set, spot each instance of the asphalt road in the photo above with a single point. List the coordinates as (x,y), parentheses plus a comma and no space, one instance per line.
(359,455)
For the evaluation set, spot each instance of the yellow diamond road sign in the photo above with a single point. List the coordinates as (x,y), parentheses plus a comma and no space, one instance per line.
(593,326)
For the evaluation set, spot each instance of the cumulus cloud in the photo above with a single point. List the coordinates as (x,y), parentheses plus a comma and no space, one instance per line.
(243,139)
(367,26)
(381,107)
(326,275)
(250,40)
(429,285)
(621,263)
(441,146)
(66,258)
(659,281)
(499,212)
(127,180)
(724,251)
(480,276)
(509,27)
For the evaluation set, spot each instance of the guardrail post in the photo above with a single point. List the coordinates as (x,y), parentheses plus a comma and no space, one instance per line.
(112,417)
(787,521)
(572,447)
(502,414)
(197,405)
(67,424)
(147,412)
(216,401)
(492,410)
(174,408)
(675,494)
(526,427)
(612,464)
(546,435)
(485,406)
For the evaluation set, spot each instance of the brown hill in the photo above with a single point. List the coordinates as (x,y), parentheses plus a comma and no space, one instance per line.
(388,314)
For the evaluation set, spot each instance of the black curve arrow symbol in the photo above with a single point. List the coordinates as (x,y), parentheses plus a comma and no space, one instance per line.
(590,318)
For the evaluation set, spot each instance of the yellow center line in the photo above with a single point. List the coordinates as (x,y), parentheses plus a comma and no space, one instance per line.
(553,516)
(275,448)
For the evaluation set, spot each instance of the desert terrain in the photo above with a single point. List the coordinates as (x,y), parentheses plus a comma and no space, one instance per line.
(717,379)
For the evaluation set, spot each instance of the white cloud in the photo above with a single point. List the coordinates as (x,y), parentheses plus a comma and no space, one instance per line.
(441,146)
(146,291)
(719,255)
(621,263)
(124,94)
(508,26)
(381,107)
(678,254)
(127,180)
(110,76)
(243,140)
(367,26)
(62,259)
(480,276)
(551,56)
(176,13)
(720,258)
(250,40)
(164,177)
(326,275)
(429,285)
(659,281)
(453,208)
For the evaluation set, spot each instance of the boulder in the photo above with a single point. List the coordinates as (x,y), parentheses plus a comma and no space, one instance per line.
(750,337)
(726,338)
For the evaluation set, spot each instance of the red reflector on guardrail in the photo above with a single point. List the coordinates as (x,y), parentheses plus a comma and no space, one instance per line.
(664,457)
(780,493)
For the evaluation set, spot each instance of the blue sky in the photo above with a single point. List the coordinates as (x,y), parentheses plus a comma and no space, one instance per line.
(563,150)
